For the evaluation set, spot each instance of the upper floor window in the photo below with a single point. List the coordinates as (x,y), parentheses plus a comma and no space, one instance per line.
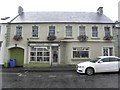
(94,31)
(68,31)
(34,31)
(107,31)
(19,30)
(52,30)
(81,30)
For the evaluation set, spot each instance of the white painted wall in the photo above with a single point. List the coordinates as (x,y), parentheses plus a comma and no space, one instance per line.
(2,39)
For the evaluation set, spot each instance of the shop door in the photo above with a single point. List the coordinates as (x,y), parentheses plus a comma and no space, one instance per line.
(55,55)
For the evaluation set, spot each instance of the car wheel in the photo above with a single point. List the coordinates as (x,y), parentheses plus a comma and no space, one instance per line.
(89,71)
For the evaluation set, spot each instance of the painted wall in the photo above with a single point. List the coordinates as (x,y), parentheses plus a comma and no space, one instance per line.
(2,38)
(95,44)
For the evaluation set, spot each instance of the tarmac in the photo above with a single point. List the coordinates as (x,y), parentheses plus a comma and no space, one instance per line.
(40,69)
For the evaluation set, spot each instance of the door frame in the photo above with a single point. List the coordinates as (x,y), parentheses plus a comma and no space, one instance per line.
(25,52)
(51,60)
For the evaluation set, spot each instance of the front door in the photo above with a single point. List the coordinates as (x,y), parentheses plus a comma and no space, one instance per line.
(55,55)
(18,54)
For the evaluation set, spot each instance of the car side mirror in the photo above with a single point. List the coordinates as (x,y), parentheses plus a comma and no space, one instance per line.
(100,61)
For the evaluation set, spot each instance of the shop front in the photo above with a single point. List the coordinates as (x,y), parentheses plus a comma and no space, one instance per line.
(44,53)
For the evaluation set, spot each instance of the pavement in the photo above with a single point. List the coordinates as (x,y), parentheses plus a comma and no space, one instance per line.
(39,69)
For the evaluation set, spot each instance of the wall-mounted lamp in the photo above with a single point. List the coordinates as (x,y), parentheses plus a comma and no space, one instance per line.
(15,45)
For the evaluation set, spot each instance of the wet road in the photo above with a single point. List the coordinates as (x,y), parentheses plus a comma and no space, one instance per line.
(62,79)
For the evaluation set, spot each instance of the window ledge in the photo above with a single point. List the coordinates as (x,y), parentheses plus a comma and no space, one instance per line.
(68,37)
(34,38)
(95,38)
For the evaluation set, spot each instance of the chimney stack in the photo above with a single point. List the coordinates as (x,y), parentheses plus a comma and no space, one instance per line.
(20,10)
(100,10)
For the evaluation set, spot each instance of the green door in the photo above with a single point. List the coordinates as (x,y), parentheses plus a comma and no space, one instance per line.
(18,54)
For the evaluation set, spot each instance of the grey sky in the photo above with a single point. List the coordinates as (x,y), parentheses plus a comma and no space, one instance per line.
(110,7)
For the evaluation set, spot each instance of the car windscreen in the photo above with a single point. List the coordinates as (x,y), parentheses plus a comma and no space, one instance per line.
(94,60)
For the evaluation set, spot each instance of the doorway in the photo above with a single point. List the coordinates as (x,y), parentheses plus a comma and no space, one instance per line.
(55,55)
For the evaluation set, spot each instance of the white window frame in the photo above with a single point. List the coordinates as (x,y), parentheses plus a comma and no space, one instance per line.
(36,56)
(108,47)
(82,31)
(66,31)
(96,32)
(19,31)
(52,29)
(83,50)
(109,30)
(36,34)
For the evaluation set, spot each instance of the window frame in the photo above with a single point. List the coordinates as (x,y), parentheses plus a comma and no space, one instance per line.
(43,56)
(83,31)
(35,34)
(107,33)
(108,47)
(66,31)
(95,33)
(81,51)
(19,31)
(52,29)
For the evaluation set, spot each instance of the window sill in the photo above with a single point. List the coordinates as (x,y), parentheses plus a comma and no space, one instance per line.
(68,37)
(95,38)
(34,38)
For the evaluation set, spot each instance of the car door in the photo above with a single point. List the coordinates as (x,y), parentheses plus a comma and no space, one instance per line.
(103,65)
(114,64)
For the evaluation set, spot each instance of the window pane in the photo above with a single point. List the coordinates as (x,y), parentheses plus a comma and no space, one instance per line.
(19,31)
(33,59)
(33,49)
(113,59)
(46,59)
(33,53)
(39,53)
(51,30)
(35,31)
(111,51)
(94,31)
(40,49)
(105,60)
(81,30)
(80,52)
(39,59)
(46,53)
(107,31)
(69,31)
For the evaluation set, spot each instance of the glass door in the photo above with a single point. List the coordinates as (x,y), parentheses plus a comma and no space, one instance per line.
(54,54)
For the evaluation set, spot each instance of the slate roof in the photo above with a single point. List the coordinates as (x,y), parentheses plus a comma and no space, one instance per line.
(77,17)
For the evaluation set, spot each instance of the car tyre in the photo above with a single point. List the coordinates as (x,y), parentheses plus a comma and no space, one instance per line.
(89,71)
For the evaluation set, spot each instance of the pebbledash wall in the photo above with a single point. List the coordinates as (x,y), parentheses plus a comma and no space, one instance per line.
(27,37)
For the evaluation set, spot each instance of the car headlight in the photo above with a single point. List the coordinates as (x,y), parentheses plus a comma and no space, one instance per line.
(81,66)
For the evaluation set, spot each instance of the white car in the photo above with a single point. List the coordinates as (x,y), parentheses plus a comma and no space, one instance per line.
(100,64)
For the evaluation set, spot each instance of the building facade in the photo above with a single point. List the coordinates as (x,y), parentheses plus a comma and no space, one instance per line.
(59,37)
(3,30)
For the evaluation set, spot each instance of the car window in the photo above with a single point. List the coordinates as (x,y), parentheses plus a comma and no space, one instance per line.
(118,59)
(105,60)
(113,59)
